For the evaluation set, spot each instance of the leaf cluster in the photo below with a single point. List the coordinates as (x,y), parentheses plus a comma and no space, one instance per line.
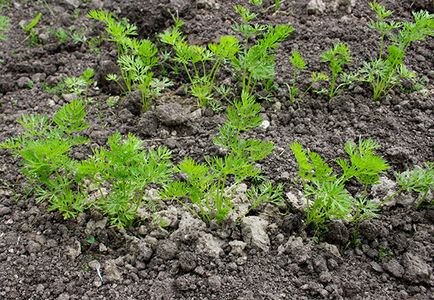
(211,186)
(200,63)
(387,71)
(4,27)
(28,29)
(419,180)
(44,148)
(338,56)
(112,180)
(326,195)
(136,58)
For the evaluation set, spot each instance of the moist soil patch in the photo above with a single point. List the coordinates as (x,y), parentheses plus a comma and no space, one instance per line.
(43,256)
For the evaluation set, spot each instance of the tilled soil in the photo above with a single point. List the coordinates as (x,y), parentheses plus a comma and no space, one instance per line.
(43,256)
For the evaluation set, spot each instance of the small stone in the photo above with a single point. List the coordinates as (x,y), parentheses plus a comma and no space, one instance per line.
(214,283)
(63,296)
(33,247)
(264,125)
(254,232)
(210,245)
(376,266)
(187,261)
(237,247)
(394,268)
(23,82)
(316,7)
(4,210)
(102,248)
(416,270)
(166,249)
(111,271)
(73,3)
(74,251)
(70,97)
(297,200)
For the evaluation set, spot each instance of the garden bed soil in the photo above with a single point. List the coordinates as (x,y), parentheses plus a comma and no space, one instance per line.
(43,256)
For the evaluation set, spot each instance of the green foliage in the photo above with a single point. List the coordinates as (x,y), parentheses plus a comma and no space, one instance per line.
(388,70)
(337,57)
(43,147)
(112,180)
(257,63)
(4,27)
(136,58)
(365,166)
(61,34)
(29,29)
(326,195)
(419,180)
(79,85)
(211,186)
(127,170)
(298,64)
(195,60)
(31,25)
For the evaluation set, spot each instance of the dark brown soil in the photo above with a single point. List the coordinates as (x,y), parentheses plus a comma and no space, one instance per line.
(44,257)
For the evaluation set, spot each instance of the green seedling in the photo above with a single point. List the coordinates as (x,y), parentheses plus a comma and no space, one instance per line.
(136,58)
(5,4)
(388,70)
(420,180)
(44,147)
(61,35)
(298,64)
(257,63)
(195,59)
(112,180)
(326,195)
(337,57)
(29,29)
(4,27)
(211,186)
(127,170)
(80,85)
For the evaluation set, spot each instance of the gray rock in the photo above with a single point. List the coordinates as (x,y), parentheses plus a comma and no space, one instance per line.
(254,232)
(376,266)
(167,249)
(72,3)
(187,261)
(416,270)
(70,97)
(4,210)
(208,4)
(316,7)
(296,249)
(23,82)
(74,251)
(394,268)
(237,248)
(384,189)
(111,271)
(33,247)
(63,296)
(209,245)
(297,201)
(214,283)
(172,114)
